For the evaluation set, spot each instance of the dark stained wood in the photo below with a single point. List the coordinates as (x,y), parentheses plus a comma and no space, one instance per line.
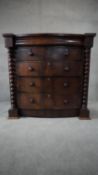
(49,68)
(29,101)
(67,101)
(48,53)
(61,101)
(30,53)
(67,53)
(29,68)
(47,40)
(62,68)
(67,86)
(29,85)
(49,74)
(60,85)
(72,112)
(48,101)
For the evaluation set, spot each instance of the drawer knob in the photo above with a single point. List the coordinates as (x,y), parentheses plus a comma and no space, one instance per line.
(66,68)
(49,64)
(31,53)
(30,68)
(49,79)
(32,100)
(32,84)
(65,84)
(49,95)
(66,52)
(65,101)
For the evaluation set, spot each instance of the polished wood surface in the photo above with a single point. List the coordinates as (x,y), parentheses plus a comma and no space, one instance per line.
(47,101)
(49,74)
(49,68)
(58,85)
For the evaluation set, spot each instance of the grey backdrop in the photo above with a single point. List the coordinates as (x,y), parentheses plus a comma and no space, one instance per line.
(69,16)
(48,146)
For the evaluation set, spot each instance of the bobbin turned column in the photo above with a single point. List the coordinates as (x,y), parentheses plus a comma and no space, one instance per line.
(9,43)
(88,43)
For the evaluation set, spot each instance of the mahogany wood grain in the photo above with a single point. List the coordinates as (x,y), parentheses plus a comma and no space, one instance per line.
(49,74)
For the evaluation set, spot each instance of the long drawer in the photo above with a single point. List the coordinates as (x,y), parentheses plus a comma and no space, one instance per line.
(48,52)
(49,85)
(49,68)
(47,101)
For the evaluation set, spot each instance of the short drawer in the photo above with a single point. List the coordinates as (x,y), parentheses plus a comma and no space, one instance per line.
(67,86)
(67,101)
(30,68)
(34,85)
(29,85)
(56,101)
(29,101)
(70,53)
(72,68)
(64,68)
(30,53)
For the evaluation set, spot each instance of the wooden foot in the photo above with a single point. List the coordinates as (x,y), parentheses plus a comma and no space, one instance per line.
(84,114)
(13,114)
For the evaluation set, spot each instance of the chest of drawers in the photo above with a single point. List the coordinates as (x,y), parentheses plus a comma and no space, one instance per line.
(49,74)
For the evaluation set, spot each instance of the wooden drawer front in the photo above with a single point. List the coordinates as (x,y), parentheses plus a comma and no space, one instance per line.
(47,101)
(54,101)
(67,86)
(31,68)
(53,68)
(72,68)
(50,85)
(29,101)
(47,86)
(66,101)
(62,68)
(49,53)
(50,68)
(29,85)
(56,52)
(30,53)
(63,52)
(34,85)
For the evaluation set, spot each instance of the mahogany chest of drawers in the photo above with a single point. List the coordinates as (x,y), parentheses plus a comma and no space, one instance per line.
(49,74)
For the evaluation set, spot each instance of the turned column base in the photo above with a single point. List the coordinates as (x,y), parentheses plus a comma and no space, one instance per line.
(13,114)
(84,114)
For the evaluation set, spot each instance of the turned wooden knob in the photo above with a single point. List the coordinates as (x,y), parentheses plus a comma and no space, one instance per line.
(65,84)
(65,101)
(30,68)
(49,63)
(49,79)
(49,95)
(32,100)
(66,51)
(66,68)
(32,84)
(31,53)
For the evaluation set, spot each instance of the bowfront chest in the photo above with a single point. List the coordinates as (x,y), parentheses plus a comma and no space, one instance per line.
(49,74)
